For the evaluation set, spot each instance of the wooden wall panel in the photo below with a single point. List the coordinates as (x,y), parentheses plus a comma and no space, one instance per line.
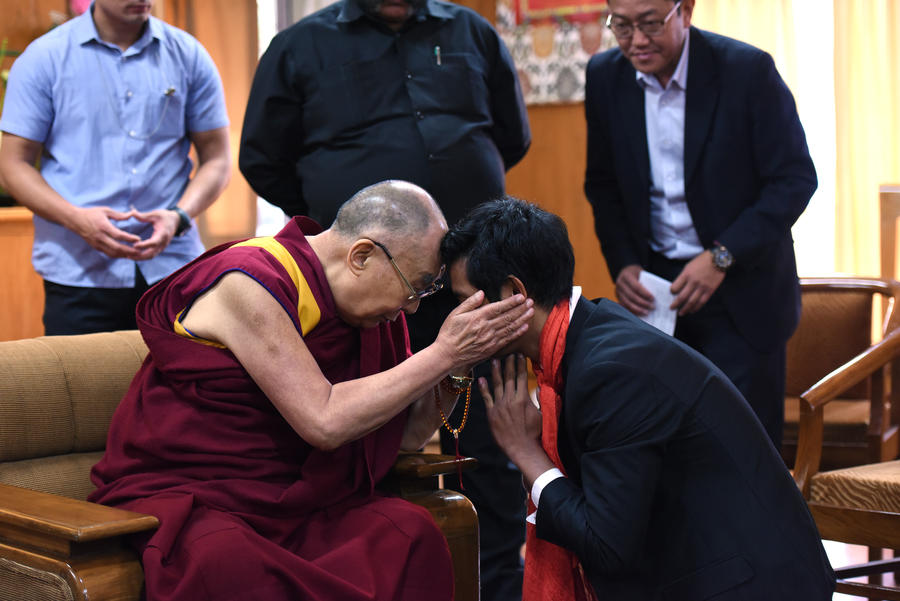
(24,20)
(21,288)
(552,176)
(486,8)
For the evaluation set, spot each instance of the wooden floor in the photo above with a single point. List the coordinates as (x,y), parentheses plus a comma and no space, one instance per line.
(842,555)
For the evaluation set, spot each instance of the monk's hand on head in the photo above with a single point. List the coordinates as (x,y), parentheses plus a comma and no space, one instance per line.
(476,330)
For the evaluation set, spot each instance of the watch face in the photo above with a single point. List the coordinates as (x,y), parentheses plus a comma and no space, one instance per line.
(722,258)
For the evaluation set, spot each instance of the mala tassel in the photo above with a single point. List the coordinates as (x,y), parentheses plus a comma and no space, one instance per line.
(455,431)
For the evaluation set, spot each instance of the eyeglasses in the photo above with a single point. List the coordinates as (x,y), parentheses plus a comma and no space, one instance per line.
(414,295)
(625,29)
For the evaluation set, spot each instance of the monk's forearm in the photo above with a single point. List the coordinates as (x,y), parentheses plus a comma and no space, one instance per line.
(356,407)
(242,315)
(352,409)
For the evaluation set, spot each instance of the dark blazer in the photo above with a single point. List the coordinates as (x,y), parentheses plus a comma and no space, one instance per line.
(674,491)
(748,174)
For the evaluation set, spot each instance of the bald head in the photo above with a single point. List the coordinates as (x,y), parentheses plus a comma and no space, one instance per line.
(381,251)
(390,209)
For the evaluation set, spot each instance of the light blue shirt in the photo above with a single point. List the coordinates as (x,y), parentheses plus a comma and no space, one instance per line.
(672,230)
(114,127)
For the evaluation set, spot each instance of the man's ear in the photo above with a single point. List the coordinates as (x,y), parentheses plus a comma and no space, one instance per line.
(511,286)
(687,11)
(359,254)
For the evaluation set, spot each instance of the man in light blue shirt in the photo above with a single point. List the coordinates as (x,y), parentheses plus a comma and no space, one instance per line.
(111,101)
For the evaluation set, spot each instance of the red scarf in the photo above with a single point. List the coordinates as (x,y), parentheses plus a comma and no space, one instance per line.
(552,572)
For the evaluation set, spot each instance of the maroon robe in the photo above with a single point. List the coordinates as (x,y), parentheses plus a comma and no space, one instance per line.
(247,508)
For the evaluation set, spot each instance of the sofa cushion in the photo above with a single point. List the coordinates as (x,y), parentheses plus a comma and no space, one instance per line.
(58,394)
(67,475)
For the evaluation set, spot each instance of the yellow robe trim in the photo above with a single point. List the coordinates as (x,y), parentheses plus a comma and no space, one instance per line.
(307,307)
(181,331)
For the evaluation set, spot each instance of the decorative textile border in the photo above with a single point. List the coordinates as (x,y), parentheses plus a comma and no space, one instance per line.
(551,42)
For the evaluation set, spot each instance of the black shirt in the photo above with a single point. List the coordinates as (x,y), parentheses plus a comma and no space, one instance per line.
(340,101)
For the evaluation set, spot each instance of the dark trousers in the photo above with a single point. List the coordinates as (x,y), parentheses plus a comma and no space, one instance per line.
(81,310)
(759,376)
(495,487)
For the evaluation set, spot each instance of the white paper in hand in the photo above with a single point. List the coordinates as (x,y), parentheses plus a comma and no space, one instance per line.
(661,316)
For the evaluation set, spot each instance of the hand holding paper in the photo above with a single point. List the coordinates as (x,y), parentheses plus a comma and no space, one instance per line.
(661,316)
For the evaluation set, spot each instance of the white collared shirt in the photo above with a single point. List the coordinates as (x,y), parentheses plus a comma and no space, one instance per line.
(553,473)
(672,230)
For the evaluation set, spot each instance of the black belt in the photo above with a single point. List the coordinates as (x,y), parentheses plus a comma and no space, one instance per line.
(665,267)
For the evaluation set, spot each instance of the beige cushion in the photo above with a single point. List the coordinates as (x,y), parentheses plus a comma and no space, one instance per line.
(57,397)
(875,486)
(58,393)
(67,475)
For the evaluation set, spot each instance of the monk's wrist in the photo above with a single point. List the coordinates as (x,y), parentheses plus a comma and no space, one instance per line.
(457,384)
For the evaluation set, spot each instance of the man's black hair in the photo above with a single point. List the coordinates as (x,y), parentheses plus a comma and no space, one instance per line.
(510,236)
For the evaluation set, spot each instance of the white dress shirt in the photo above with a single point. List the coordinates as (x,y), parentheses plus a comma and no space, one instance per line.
(672,230)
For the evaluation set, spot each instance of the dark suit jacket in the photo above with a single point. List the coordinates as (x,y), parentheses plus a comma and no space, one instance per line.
(748,174)
(674,490)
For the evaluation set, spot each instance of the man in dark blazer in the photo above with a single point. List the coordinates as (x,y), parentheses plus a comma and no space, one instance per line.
(651,477)
(697,168)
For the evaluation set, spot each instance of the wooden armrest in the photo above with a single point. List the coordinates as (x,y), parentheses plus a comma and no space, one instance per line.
(832,386)
(854,371)
(417,473)
(427,465)
(59,525)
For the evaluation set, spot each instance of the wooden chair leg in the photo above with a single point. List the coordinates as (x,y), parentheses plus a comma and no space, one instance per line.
(896,554)
(875,554)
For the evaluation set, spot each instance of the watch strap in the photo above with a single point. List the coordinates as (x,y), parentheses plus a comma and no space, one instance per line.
(184,220)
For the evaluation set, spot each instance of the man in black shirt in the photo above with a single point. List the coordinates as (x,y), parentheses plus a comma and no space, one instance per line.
(417,90)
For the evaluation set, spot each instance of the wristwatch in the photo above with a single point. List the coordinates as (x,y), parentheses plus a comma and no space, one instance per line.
(184,220)
(721,257)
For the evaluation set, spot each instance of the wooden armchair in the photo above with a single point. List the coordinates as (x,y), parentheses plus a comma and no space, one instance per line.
(836,325)
(856,505)
(57,396)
